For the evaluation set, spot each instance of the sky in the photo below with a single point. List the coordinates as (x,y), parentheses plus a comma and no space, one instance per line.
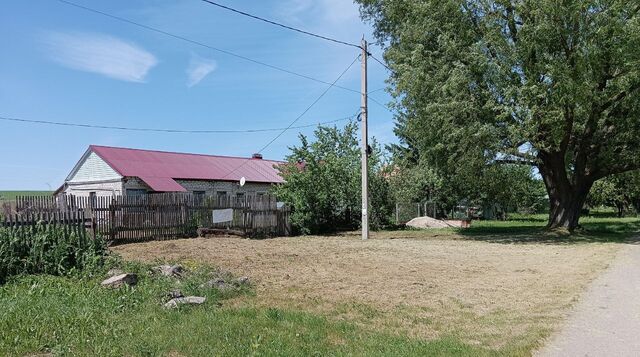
(65,64)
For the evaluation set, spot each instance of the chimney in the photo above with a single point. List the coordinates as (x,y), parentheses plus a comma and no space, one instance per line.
(256,156)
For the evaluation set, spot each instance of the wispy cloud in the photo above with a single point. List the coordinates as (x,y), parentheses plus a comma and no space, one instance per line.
(198,69)
(99,53)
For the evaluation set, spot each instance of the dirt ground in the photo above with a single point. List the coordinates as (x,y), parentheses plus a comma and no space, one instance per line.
(503,296)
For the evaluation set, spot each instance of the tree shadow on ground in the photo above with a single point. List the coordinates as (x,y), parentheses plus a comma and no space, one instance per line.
(591,231)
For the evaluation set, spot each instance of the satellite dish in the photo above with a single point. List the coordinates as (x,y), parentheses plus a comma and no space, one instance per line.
(242,181)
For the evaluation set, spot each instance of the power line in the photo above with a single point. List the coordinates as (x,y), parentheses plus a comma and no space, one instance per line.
(382,63)
(279,24)
(183,131)
(310,106)
(299,116)
(380,104)
(198,43)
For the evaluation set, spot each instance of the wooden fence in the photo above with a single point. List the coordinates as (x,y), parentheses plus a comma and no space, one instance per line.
(68,220)
(159,216)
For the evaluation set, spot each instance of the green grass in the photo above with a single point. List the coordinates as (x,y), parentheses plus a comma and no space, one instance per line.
(75,316)
(11,195)
(597,227)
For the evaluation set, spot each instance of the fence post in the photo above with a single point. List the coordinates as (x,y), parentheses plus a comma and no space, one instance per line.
(93,224)
(112,221)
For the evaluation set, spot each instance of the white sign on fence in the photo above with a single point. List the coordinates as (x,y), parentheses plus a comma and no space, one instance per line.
(222,215)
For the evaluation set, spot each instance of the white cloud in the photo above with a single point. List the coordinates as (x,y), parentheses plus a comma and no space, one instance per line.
(102,54)
(198,69)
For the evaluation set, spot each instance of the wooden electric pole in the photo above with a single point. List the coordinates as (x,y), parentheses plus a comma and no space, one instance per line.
(364,113)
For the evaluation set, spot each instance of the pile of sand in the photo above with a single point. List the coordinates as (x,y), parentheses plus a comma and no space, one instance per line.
(427,222)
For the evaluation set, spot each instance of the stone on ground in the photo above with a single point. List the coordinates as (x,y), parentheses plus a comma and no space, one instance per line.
(174,271)
(217,283)
(120,280)
(189,300)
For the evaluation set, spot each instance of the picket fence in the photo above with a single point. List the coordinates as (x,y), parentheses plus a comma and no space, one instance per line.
(155,216)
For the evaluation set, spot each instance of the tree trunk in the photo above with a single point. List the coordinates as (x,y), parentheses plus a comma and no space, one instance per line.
(565,209)
(566,197)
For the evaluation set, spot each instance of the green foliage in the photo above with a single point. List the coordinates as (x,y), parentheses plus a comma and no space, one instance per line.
(549,84)
(47,249)
(322,182)
(511,188)
(77,317)
(620,191)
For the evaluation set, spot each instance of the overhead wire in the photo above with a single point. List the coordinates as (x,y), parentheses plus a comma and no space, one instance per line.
(183,131)
(198,43)
(229,53)
(280,24)
(379,61)
(297,118)
(301,31)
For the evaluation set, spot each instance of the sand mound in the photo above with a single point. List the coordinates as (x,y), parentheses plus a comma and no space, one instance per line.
(427,222)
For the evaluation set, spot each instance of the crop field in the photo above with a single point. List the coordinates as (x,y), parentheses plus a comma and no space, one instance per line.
(11,195)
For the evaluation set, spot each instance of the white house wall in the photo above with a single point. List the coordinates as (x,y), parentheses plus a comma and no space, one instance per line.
(94,169)
(84,189)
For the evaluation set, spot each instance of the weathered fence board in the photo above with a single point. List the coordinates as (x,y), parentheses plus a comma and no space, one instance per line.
(157,216)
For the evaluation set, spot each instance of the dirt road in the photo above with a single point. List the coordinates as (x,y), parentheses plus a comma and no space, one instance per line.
(606,321)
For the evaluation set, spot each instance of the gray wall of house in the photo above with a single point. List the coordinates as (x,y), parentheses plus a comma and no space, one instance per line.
(209,187)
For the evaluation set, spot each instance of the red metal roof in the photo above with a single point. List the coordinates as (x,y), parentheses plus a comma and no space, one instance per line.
(163,184)
(159,168)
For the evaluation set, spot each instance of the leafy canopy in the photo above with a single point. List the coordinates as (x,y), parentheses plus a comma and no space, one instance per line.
(322,182)
(544,83)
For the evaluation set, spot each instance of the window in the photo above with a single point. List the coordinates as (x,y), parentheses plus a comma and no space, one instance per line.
(136,192)
(92,199)
(198,196)
(240,197)
(221,197)
(260,196)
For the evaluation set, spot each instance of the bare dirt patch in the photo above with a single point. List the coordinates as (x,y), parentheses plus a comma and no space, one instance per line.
(425,285)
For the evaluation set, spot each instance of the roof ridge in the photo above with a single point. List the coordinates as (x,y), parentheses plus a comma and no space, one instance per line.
(92,146)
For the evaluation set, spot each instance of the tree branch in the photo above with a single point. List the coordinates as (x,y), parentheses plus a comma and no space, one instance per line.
(516,162)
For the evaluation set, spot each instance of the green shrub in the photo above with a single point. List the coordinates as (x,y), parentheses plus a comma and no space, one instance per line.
(47,249)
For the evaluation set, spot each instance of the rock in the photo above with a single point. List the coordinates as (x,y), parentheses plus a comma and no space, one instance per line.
(243,280)
(190,300)
(175,271)
(120,280)
(218,283)
(115,271)
(174,294)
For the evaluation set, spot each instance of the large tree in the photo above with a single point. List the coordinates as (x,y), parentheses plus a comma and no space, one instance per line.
(548,83)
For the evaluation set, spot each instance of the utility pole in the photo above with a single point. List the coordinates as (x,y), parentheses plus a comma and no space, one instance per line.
(364,113)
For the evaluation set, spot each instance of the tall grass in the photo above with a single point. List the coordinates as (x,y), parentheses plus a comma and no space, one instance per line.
(47,249)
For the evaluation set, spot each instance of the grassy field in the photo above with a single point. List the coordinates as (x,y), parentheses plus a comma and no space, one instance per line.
(498,288)
(10,195)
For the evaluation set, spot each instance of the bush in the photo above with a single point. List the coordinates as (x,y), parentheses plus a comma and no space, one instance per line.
(47,249)
(323,182)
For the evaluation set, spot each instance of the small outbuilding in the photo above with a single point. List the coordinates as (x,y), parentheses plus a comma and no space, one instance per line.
(113,171)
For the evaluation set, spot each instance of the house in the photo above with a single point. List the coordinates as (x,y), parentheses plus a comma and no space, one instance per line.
(112,171)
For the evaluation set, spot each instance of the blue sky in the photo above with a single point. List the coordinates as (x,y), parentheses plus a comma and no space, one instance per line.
(61,63)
